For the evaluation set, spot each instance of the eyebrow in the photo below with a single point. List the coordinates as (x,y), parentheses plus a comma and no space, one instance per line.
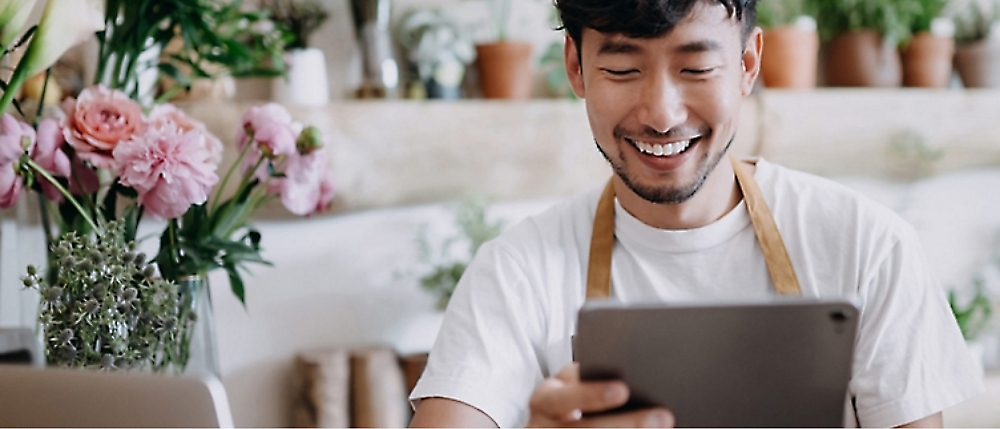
(612,47)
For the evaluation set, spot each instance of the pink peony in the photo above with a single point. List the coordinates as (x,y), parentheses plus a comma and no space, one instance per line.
(13,145)
(163,114)
(98,121)
(272,129)
(307,187)
(49,155)
(169,168)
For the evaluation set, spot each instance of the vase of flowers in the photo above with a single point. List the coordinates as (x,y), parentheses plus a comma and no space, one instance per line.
(306,82)
(104,164)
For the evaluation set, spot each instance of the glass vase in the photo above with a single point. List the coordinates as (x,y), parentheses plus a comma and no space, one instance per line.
(202,351)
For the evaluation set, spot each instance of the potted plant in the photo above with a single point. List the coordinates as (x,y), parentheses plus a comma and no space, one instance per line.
(928,55)
(791,43)
(977,57)
(439,50)
(504,65)
(306,81)
(862,39)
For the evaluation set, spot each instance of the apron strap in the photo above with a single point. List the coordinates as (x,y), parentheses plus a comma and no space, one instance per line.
(779,265)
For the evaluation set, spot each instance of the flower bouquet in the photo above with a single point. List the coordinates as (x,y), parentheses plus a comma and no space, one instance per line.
(101,165)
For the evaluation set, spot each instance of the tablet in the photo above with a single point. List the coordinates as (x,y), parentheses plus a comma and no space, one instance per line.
(775,363)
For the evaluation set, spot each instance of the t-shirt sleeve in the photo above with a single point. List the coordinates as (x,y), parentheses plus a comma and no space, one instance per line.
(485,354)
(911,360)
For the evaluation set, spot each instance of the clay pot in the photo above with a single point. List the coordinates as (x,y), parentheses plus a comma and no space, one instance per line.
(505,69)
(861,58)
(978,64)
(789,58)
(927,61)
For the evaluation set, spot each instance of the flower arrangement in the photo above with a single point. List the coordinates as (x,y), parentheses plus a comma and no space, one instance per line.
(103,164)
(445,265)
(301,18)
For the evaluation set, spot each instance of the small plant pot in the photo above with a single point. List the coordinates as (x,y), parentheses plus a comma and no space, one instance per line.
(862,58)
(789,58)
(306,83)
(978,64)
(505,70)
(927,61)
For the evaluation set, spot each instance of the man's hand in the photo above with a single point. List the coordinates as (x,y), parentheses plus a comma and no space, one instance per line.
(562,401)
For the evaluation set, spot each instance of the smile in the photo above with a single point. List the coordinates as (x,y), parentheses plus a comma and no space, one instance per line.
(663,150)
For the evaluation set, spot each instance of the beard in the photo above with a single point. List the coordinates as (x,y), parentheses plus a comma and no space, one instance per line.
(666,194)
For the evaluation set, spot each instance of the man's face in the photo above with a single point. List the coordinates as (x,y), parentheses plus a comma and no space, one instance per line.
(663,111)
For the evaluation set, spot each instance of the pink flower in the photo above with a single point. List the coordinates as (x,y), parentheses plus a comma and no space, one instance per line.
(49,155)
(16,138)
(98,121)
(271,126)
(161,114)
(307,187)
(169,168)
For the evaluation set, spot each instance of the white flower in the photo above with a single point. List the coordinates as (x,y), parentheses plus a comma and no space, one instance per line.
(13,15)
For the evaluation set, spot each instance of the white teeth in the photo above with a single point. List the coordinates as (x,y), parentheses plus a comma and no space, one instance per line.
(668,149)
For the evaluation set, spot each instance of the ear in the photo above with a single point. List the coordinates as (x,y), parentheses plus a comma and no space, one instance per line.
(574,71)
(751,60)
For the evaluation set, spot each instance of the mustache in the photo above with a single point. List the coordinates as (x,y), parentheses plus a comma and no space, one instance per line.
(621,132)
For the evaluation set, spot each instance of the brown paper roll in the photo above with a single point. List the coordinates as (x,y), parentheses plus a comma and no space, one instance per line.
(324,377)
(379,395)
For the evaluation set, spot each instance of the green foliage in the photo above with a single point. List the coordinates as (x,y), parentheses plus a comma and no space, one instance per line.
(107,308)
(217,37)
(974,22)
(554,66)
(778,13)
(974,316)
(445,268)
(302,18)
(891,18)
(929,10)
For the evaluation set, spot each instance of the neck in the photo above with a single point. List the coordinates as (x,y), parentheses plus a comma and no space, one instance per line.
(718,196)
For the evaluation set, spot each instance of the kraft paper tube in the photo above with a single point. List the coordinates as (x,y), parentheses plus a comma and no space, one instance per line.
(379,393)
(325,380)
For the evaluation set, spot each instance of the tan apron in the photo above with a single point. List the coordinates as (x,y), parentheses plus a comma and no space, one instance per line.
(602,240)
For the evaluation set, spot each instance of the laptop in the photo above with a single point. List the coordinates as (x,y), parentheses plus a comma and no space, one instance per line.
(59,397)
(774,363)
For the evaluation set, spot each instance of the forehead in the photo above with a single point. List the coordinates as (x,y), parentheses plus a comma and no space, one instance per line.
(707,27)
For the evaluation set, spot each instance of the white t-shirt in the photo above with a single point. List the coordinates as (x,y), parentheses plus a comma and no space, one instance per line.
(511,318)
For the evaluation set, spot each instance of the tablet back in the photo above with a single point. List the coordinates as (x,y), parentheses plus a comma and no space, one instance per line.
(776,364)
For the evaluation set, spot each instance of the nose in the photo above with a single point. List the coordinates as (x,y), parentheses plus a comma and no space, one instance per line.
(662,106)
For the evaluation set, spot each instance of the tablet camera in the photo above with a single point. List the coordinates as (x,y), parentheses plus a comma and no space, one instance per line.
(839,318)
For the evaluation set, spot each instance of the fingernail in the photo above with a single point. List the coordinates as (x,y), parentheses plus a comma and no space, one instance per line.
(616,393)
(659,419)
(576,415)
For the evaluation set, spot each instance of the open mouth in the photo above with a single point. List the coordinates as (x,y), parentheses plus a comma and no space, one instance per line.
(664,149)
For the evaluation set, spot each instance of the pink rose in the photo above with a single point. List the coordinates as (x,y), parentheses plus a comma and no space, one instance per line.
(307,187)
(168,113)
(12,146)
(98,121)
(169,168)
(271,126)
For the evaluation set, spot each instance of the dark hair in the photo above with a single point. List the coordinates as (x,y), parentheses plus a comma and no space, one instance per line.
(641,18)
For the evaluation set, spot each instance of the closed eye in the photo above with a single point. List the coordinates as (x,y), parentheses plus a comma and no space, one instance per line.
(619,72)
(698,72)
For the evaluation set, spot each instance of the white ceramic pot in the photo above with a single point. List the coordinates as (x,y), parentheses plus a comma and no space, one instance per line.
(306,83)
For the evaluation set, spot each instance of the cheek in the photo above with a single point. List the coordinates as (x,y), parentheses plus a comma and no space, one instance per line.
(607,106)
(717,104)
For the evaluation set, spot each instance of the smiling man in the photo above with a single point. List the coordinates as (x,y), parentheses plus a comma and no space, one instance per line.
(663,82)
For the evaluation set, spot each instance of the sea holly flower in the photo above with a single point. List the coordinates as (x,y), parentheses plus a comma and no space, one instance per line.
(13,16)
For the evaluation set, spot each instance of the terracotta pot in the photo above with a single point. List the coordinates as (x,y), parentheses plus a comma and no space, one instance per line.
(927,61)
(860,58)
(505,69)
(789,58)
(978,64)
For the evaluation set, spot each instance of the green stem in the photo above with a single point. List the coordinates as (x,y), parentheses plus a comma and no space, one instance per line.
(69,197)
(41,101)
(229,174)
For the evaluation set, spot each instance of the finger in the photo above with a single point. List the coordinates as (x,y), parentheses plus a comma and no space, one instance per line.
(646,418)
(567,402)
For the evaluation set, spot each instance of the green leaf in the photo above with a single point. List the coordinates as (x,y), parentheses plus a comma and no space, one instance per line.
(236,283)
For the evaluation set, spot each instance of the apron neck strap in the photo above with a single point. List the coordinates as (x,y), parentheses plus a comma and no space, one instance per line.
(779,265)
